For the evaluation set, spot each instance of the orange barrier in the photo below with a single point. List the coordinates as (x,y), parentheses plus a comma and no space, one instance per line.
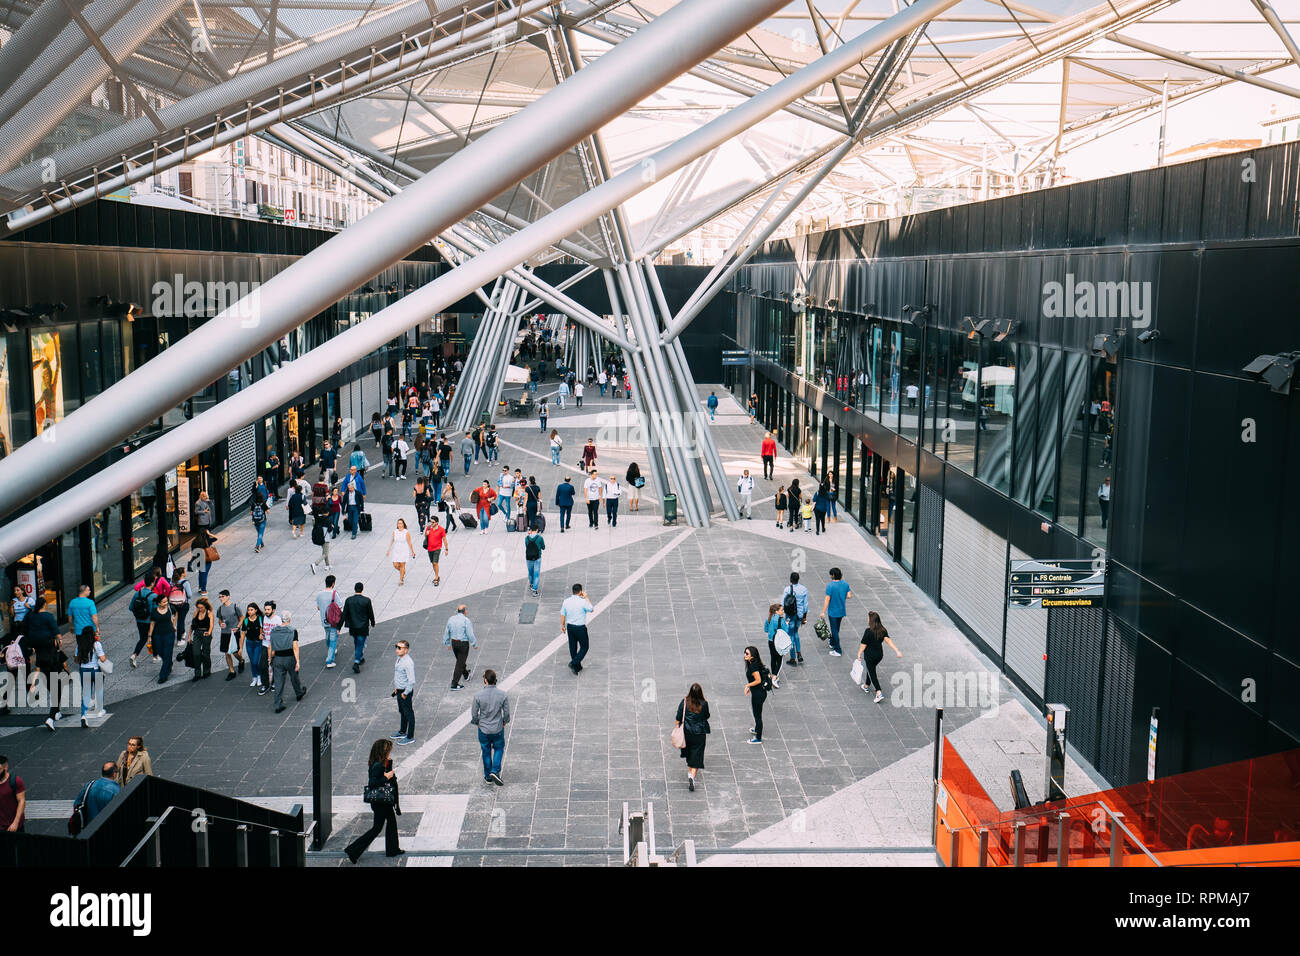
(1239,814)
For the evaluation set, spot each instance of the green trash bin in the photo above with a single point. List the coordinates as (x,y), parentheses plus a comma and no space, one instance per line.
(487,418)
(670,509)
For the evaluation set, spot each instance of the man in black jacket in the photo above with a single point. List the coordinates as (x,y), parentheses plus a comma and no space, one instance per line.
(358,614)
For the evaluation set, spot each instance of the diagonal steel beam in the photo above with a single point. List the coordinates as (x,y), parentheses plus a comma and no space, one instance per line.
(595,95)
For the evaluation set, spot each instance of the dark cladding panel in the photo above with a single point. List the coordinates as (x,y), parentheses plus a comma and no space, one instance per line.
(1083,213)
(1275,194)
(1184,185)
(1145,204)
(1226,196)
(1110,223)
(1056,218)
(1248,302)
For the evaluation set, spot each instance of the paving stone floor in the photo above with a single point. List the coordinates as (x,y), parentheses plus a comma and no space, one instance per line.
(674,605)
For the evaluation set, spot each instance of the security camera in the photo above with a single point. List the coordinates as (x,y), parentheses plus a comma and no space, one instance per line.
(1150,335)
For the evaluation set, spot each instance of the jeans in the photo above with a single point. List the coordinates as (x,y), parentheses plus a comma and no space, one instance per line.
(467,464)
(542,420)
(505,501)
(388,466)
(406,710)
(88,688)
(561,397)
(484,518)
(492,453)
(494,748)
(712,409)
(353,514)
(835,632)
(166,648)
(534,572)
(254,657)
(757,697)
(480,448)
(795,649)
(142,629)
(285,672)
(203,577)
(331,643)
(555,456)
(611,511)
(437,489)
(578,643)
(578,399)
(566,516)
(261,530)
(602,390)
(834,511)
(334,521)
(358,647)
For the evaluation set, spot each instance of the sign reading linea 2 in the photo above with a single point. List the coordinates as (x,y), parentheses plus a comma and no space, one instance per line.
(1059,583)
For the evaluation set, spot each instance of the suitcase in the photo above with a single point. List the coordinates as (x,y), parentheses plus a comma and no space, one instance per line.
(521,522)
(347,522)
(467,519)
(539,519)
(365,521)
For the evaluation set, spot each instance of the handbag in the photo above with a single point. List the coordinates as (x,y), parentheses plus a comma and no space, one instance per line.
(384,795)
(106,666)
(210,554)
(858,670)
(678,737)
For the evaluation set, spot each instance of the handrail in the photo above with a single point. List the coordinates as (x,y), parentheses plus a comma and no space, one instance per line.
(151,833)
(148,836)
(1026,816)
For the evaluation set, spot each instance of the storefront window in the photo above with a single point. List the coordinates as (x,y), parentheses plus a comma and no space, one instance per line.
(1100,429)
(106,550)
(144,527)
(69,567)
(911,383)
(997,407)
(963,402)
(1074,419)
(909,520)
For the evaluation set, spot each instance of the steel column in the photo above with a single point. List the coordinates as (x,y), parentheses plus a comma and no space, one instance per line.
(603,90)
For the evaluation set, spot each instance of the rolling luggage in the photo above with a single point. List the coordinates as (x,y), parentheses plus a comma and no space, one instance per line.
(347,522)
(365,521)
(539,519)
(467,519)
(521,522)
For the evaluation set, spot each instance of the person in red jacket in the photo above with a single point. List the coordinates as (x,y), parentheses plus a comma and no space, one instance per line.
(769,455)
(483,498)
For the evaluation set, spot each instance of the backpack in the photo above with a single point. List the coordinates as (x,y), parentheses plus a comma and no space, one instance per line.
(14,656)
(790,605)
(258,512)
(77,822)
(334,613)
(140,605)
(531,551)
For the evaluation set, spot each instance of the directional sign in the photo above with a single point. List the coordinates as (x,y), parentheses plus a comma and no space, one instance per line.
(1056,583)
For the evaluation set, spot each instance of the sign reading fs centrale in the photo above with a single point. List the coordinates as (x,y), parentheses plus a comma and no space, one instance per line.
(1059,583)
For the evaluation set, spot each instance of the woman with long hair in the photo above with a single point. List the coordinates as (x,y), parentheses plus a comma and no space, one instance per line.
(775,622)
(133,761)
(180,602)
(451,504)
(756,678)
(635,483)
(201,639)
(693,718)
(871,652)
(400,550)
(557,446)
(781,503)
(423,496)
(250,638)
(380,773)
(90,654)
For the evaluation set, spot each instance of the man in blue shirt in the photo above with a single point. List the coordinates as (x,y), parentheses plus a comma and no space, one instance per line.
(713,405)
(83,612)
(795,598)
(834,607)
(459,636)
(97,794)
(573,621)
(564,495)
(353,494)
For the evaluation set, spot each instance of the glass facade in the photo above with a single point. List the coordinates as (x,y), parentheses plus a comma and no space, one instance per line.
(1036,423)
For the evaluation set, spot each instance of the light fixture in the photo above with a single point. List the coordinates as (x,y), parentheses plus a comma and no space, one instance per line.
(1150,335)
(1106,344)
(832,303)
(972,326)
(1004,327)
(918,315)
(1275,371)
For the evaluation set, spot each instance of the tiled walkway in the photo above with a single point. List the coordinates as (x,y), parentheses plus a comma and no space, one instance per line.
(675,605)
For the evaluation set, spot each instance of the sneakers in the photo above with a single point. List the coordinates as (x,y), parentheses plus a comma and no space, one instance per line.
(397,736)
(495,778)
(313,567)
(254,682)
(776,684)
(754,740)
(330,664)
(133,663)
(690,782)
(49,722)
(880,695)
(280,709)
(403,741)
(261,692)
(356,668)
(836,654)
(102,713)
(231,676)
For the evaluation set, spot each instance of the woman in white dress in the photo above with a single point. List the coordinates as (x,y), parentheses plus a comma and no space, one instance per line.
(400,549)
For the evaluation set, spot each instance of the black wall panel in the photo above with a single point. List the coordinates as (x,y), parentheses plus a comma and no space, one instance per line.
(1145,205)
(1181,217)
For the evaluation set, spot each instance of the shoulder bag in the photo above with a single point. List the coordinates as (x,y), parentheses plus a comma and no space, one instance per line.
(384,795)
(678,737)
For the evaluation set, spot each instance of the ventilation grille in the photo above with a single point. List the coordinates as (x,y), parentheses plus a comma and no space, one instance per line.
(243,464)
(929,542)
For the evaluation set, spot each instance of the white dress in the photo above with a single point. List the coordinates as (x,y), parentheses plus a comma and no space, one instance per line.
(401,551)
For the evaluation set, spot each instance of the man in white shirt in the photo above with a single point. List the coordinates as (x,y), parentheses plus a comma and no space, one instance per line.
(401,452)
(593,490)
(913,393)
(1103,501)
(577,393)
(505,492)
(602,380)
(612,491)
(573,621)
(745,486)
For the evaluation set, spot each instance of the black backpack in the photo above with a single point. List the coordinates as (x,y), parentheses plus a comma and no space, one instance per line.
(790,604)
(531,551)
(140,605)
